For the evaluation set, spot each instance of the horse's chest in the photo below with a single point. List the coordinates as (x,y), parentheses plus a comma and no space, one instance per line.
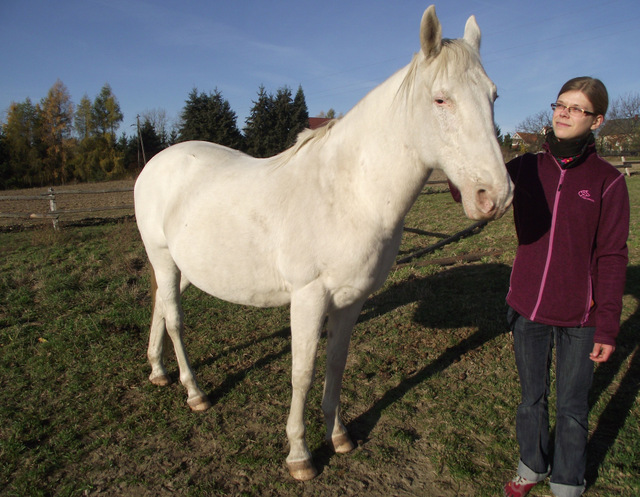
(361,270)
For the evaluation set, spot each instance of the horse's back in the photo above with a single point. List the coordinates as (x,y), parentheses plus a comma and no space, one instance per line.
(196,202)
(185,162)
(174,176)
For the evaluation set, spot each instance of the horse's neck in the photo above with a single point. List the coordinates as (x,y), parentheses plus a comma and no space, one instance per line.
(387,174)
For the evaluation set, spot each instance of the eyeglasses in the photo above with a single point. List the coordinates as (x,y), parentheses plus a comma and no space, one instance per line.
(573,111)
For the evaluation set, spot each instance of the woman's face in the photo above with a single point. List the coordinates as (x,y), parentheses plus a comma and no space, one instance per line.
(568,125)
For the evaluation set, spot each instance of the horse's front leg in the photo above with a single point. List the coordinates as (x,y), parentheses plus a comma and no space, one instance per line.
(339,328)
(308,308)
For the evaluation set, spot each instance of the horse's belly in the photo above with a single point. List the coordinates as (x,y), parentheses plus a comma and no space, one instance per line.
(231,269)
(240,288)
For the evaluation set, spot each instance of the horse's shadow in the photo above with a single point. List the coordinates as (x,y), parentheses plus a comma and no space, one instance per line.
(477,302)
(464,296)
(617,410)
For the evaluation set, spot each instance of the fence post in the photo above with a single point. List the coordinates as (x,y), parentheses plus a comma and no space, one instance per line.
(52,208)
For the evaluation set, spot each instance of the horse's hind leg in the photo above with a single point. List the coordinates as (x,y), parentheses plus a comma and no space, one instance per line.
(157,338)
(339,328)
(167,316)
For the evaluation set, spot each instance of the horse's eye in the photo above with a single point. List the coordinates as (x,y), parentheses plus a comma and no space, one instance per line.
(440,101)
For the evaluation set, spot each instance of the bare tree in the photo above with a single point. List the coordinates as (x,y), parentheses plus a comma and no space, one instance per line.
(160,122)
(535,127)
(621,131)
(536,123)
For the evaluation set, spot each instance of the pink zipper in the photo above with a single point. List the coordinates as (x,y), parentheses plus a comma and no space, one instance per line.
(551,237)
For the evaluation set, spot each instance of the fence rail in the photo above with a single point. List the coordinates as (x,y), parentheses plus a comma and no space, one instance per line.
(27,213)
(54,213)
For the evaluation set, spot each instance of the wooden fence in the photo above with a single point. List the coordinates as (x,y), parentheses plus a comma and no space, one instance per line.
(54,213)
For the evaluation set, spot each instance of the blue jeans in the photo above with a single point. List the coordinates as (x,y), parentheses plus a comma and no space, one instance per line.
(533,345)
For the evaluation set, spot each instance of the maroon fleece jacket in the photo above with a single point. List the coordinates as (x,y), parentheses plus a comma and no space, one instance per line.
(572,225)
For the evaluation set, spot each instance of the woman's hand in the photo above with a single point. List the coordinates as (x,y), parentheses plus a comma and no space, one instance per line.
(601,352)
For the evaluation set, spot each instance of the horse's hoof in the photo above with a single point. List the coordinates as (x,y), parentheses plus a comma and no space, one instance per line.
(161,381)
(342,444)
(302,470)
(199,403)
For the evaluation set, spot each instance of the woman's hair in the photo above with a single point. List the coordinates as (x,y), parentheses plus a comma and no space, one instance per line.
(594,90)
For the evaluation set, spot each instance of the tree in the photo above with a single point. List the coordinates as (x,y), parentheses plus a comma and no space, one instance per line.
(330,114)
(210,118)
(56,120)
(159,121)
(283,119)
(138,149)
(105,115)
(536,125)
(300,116)
(257,132)
(83,122)
(6,176)
(621,130)
(98,155)
(22,138)
(275,122)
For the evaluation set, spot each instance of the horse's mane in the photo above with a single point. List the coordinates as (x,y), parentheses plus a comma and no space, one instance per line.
(454,55)
(305,138)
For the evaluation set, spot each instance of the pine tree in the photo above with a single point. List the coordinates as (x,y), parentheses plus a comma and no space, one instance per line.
(210,118)
(283,116)
(275,122)
(257,132)
(300,117)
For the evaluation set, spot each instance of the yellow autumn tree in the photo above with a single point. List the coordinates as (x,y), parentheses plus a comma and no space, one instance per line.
(56,119)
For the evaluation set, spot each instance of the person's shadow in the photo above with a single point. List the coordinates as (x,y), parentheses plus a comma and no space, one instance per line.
(615,414)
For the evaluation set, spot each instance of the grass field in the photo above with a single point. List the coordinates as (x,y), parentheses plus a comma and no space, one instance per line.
(429,394)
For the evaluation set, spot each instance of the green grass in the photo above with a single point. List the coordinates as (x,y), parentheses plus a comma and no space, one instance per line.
(429,393)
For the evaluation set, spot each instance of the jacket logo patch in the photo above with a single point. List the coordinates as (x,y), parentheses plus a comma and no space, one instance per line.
(585,195)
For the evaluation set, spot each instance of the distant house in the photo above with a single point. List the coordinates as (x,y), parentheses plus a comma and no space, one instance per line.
(316,122)
(618,135)
(527,142)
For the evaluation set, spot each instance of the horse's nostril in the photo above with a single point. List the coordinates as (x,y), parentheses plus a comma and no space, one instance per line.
(484,201)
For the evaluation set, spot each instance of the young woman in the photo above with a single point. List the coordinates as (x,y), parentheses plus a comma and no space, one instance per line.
(571,212)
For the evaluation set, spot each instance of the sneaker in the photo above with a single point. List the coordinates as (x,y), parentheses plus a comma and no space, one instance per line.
(518,487)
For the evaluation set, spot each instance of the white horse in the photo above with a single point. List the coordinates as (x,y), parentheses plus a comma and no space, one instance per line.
(319,225)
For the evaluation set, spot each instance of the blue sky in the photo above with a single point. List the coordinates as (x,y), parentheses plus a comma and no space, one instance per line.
(154,52)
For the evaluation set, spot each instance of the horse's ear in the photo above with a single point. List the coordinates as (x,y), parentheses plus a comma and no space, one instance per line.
(430,33)
(472,33)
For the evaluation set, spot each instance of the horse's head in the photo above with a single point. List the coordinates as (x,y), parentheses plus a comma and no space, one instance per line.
(452,91)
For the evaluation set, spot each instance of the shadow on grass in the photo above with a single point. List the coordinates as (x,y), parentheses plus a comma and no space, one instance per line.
(465,296)
(469,296)
(615,414)
(232,380)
